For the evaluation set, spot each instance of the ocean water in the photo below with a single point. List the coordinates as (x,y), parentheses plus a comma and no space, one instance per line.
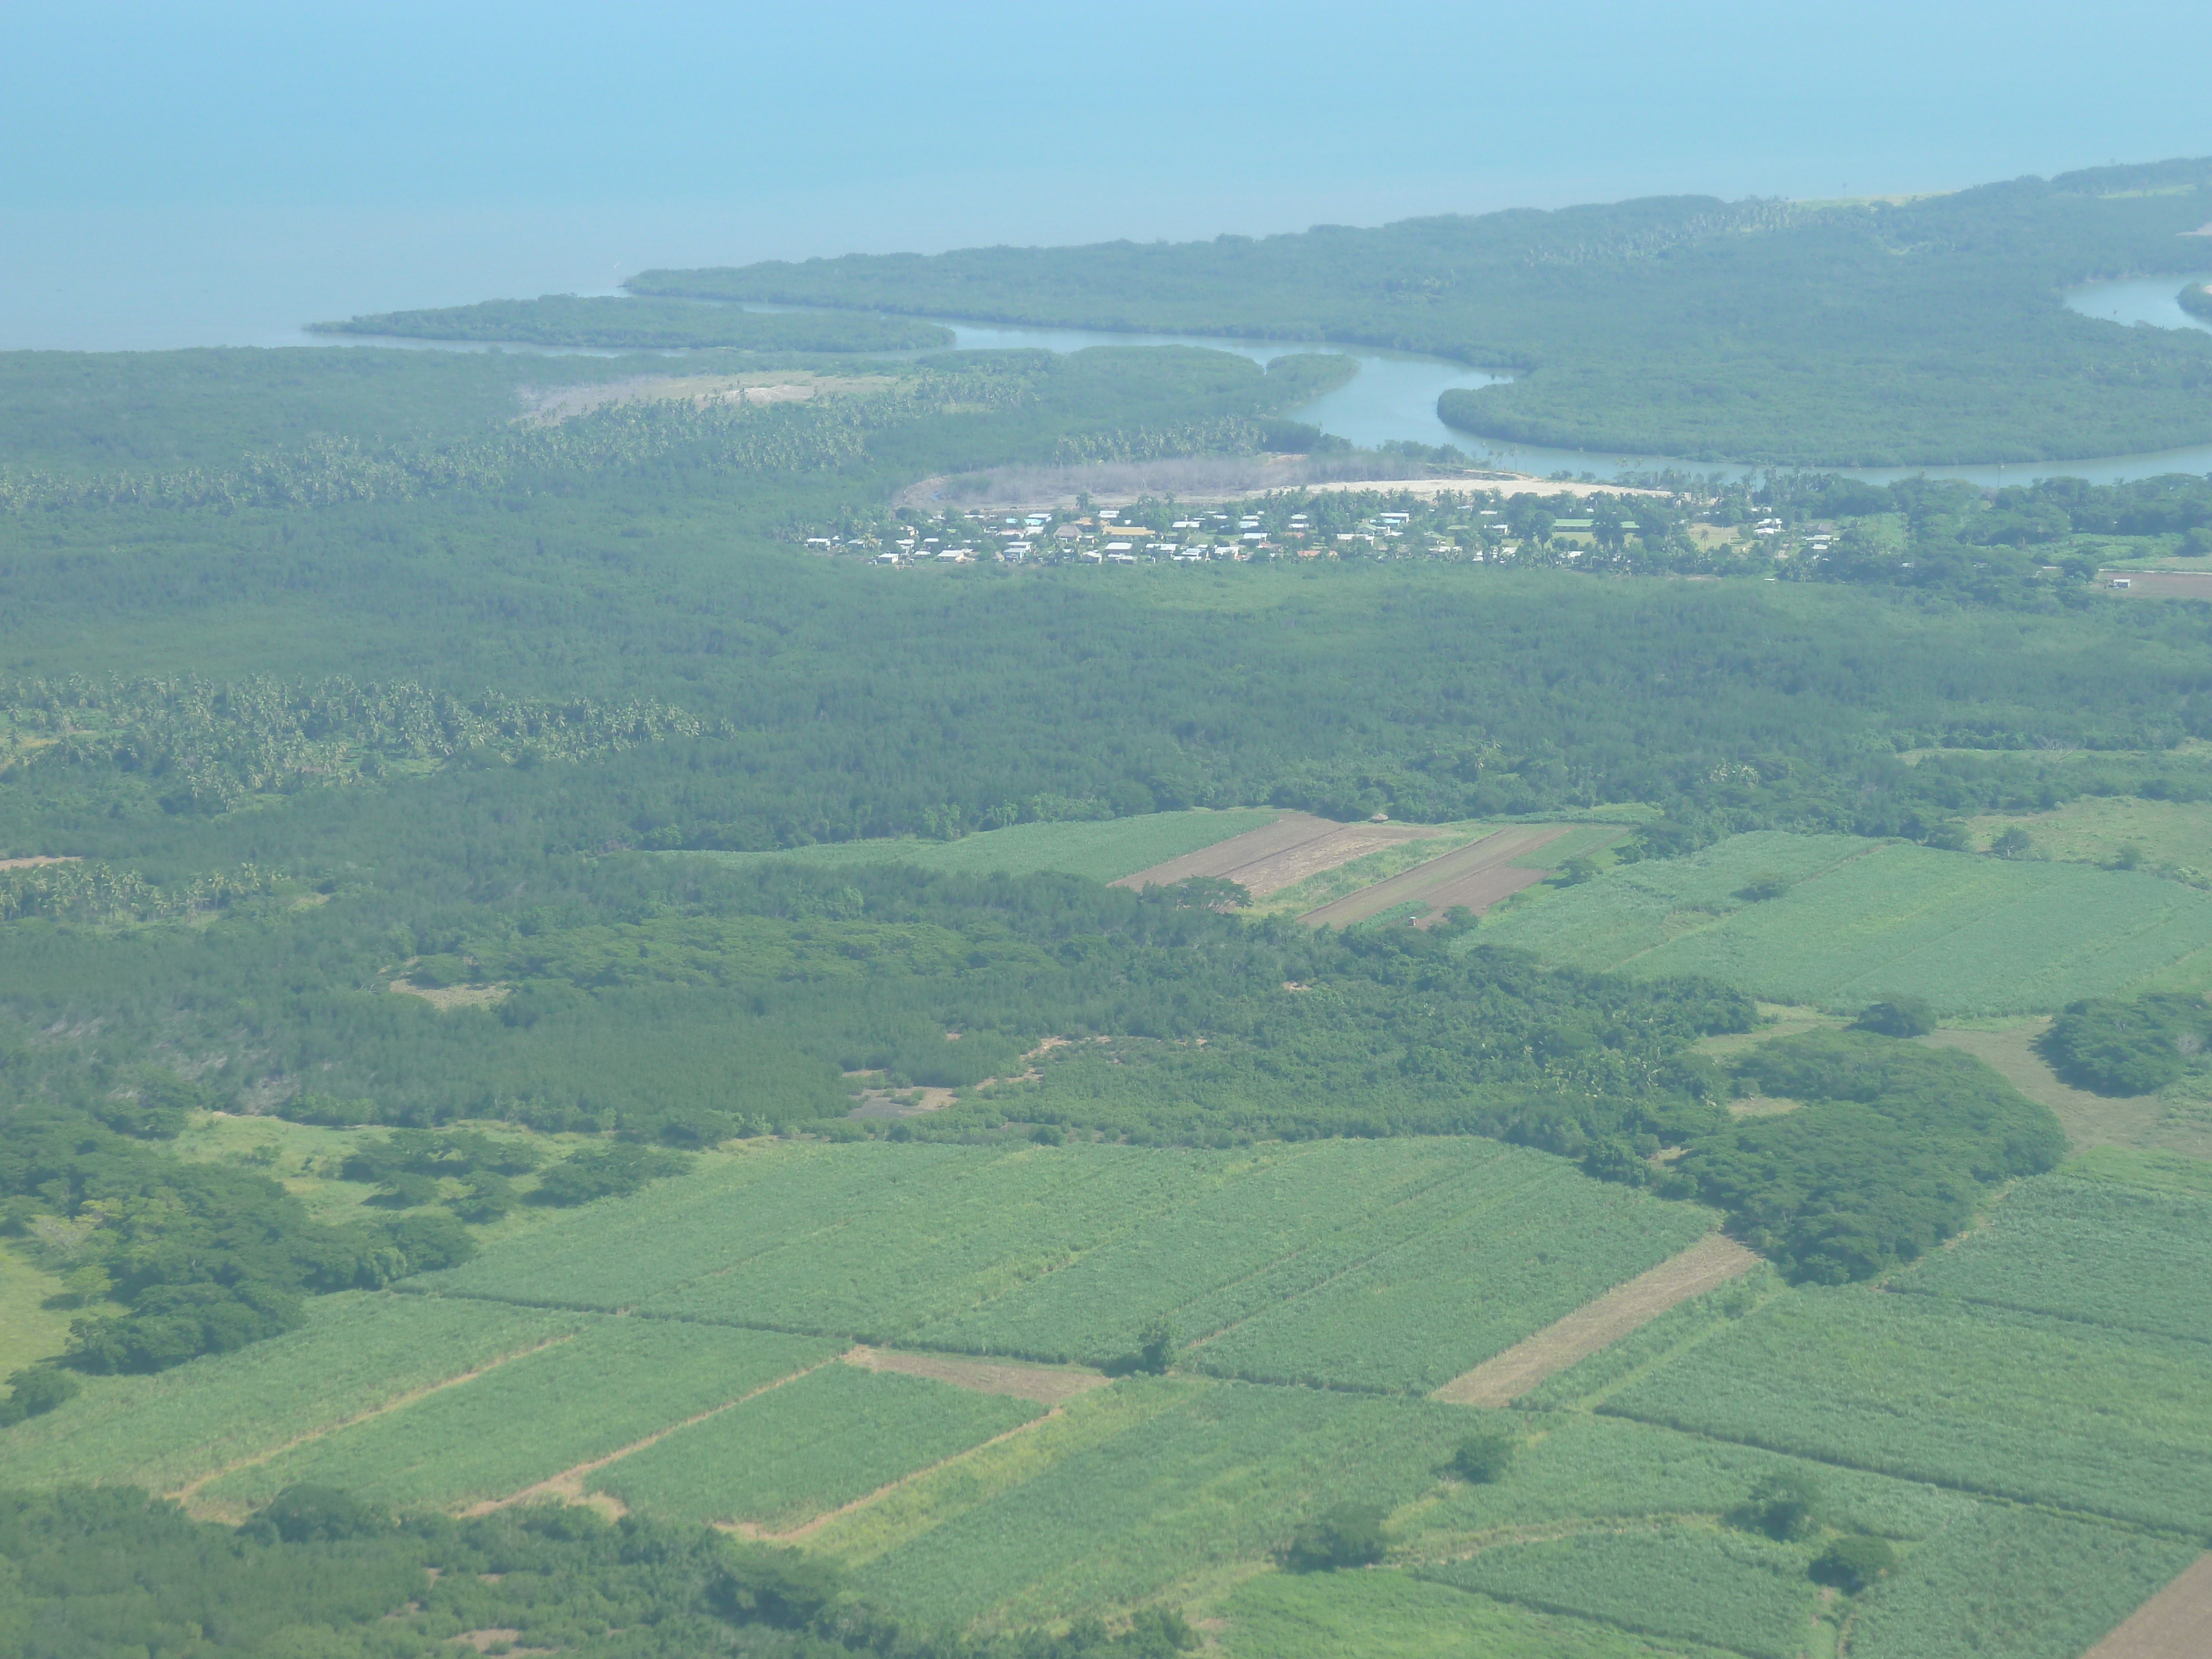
(222,173)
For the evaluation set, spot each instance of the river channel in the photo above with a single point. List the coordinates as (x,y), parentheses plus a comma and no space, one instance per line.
(1394,396)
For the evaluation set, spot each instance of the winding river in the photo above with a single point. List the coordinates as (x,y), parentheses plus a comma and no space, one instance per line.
(1394,396)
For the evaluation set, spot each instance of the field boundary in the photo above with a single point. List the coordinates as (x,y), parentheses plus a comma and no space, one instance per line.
(185,1493)
(1487,855)
(2174,1624)
(1018,1379)
(570,1483)
(1711,1262)
(808,1528)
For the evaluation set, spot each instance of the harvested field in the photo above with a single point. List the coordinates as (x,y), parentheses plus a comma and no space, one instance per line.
(1047,1385)
(1477,876)
(552,406)
(2174,1624)
(2160,584)
(1706,1265)
(1265,860)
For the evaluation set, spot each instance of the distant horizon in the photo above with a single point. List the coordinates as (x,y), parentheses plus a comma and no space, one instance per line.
(223,173)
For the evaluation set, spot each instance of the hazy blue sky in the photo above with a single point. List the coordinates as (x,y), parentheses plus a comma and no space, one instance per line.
(193,172)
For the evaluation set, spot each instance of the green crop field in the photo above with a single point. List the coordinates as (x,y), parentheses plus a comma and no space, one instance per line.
(2095,829)
(1728,1588)
(822,1440)
(358,1352)
(610,1386)
(1531,1241)
(1981,1398)
(1393,1615)
(1103,849)
(1576,1466)
(2091,1250)
(1134,1489)
(2012,1584)
(1858,919)
(1391,1265)
(2152,1170)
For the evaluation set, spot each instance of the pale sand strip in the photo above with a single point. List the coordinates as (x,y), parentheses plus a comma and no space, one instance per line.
(1047,1385)
(2174,1624)
(1708,1263)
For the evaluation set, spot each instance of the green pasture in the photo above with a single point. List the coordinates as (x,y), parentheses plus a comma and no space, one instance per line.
(1103,849)
(1838,921)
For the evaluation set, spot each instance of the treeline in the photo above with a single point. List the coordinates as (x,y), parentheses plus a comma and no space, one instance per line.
(565,319)
(89,1573)
(1852,334)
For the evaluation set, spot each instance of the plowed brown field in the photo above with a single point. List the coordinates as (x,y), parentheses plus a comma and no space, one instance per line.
(2174,1624)
(1296,846)
(1477,876)
(1708,1263)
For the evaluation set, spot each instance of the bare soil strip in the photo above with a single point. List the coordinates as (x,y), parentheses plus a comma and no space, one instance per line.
(33,862)
(1295,846)
(568,1485)
(2161,584)
(185,1494)
(2174,1624)
(1046,1384)
(1476,875)
(1706,1265)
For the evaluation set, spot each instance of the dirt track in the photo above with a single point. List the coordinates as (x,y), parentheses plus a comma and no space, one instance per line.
(1295,846)
(1046,1384)
(1504,1378)
(1477,876)
(2174,1624)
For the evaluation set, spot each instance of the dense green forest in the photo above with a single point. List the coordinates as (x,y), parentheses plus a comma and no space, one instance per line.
(96,1572)
(1863,333)
(565,319)
(2196,299)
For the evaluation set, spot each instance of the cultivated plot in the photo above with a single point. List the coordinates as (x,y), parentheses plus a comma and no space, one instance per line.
(359,1354)
(1297,846)
(1836,922)
(1981,1398)
(2095,1251)
(1474,877)
(827,1438)
(1387,1264)
(1131,1491)
(617,1382)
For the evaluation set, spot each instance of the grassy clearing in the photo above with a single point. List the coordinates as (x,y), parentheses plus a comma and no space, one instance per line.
(617,1382)
(824,1440)
(1695,1583)
(358,1352)
(1384,1264)
(1573,1466)
(2154,1171)
(1980,1399)
(29,1330)
(2088,1120)
(1204,1475)
(1102,849)
(1857,919)
(2091,1250)
(1394,1615)
(2094,828)
(2011,1583)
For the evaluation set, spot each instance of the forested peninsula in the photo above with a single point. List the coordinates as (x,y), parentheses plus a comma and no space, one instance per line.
(1878,332)
(640,325)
